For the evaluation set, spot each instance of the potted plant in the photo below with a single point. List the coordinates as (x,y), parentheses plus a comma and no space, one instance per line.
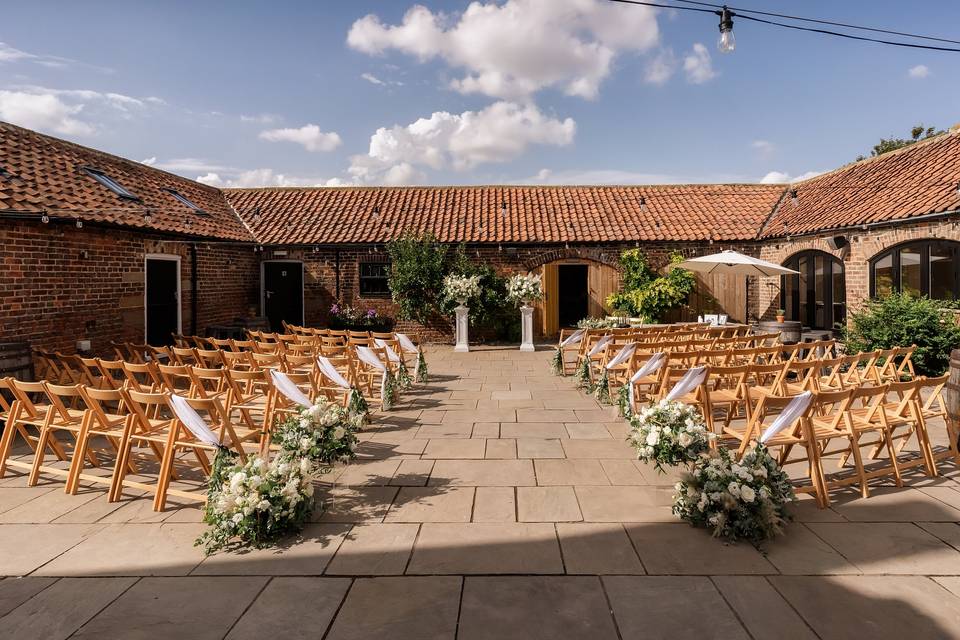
(781,314)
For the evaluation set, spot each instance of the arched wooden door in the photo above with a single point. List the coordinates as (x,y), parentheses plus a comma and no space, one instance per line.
(574,289)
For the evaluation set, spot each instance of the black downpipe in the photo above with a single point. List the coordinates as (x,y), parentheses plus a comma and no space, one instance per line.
(194,293)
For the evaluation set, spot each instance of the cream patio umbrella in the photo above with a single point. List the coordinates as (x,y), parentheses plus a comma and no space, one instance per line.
(735,263)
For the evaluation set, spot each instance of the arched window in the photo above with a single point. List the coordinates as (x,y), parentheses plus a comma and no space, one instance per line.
(817,297)
(920,268)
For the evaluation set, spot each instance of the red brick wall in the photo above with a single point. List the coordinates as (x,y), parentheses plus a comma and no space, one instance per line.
(60,284)
(320,272)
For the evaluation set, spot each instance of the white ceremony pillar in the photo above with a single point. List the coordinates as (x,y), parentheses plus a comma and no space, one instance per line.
(463,329)
(526,328)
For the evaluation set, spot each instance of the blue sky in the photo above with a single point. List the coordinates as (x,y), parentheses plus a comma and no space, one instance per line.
(500,91)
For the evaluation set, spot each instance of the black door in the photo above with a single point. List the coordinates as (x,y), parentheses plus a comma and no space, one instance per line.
(573,297)
(283,293)
(163,305)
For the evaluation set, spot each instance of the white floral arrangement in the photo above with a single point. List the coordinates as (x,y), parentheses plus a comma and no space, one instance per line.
(324,433)
(524,288)
(669,433)
(461,288)
(736,500)
(258,502)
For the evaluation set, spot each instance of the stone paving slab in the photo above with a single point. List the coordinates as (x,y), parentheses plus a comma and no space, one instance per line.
(501,473)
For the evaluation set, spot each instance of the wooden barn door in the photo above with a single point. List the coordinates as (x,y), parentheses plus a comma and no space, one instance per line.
(549,311)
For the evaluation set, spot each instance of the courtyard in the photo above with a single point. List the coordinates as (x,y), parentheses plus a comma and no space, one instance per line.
(495,501)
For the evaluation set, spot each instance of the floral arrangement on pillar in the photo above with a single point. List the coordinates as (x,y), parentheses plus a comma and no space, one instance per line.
(461,289)
(522,290)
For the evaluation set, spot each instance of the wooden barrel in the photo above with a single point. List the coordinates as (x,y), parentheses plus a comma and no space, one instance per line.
(790,330)
(951,393)
(16,360)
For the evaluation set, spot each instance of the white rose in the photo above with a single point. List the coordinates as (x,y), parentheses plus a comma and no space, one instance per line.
(237,518)
(685,440)
(653,438)
(747,493)
(733,489)
(339,432)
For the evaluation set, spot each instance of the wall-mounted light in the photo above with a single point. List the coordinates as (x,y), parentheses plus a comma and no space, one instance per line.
(79,223)
(44,218)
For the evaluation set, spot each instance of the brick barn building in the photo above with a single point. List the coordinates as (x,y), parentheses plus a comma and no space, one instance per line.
(96,247)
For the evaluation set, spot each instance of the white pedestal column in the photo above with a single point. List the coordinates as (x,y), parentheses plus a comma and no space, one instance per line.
(526,328)
(463,329)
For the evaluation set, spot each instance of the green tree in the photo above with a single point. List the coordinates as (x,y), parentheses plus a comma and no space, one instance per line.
(917,134)
(418,265)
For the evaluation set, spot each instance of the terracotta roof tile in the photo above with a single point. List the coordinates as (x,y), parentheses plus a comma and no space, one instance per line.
(917,180)
(331,215)
(41,173)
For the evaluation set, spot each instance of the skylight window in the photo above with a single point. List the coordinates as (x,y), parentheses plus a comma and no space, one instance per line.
(184,200)
(109,183)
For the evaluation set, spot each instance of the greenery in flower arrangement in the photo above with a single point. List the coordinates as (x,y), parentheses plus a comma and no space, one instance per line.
(257,503)
(899,320)
(524,288)
(601,323)
(669,433)
(489,309)
(643,292)
(417,267)
(347,317)
(736,500)
(324,433)
(460,288)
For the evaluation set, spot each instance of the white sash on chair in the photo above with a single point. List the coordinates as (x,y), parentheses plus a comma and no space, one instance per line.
(192,420)
(573,338)
(690,381)
(330,371)
(601,343)
(622,355)
(790,413)
(650,366)
(391,354)
(369,357)
(406,343)
(291,391)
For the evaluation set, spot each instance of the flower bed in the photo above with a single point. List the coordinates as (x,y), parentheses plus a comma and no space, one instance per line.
(345,317)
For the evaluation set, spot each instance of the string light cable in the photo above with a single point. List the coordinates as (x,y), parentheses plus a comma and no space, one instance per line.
(726,13)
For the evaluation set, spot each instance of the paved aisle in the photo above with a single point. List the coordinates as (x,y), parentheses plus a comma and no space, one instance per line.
(496,502)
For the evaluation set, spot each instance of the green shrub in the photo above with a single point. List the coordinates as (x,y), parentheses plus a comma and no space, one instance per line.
(644,292)
(899,320)
(418,265)
(491,309)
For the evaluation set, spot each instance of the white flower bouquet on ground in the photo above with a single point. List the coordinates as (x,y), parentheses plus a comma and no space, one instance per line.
(323,433)
(258,502)
(736,500)
(524,288)
(669,433)
(461,288)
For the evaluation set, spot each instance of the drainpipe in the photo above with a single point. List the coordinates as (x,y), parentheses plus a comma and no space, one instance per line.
(194,293)
(337,270)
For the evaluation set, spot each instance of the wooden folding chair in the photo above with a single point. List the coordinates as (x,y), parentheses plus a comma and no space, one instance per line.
(26,418)
(107,418)
(64,415)
(143,376)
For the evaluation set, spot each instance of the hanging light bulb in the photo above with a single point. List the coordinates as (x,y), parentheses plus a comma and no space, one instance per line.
(794,200)
(643,204)
(45,219)
(316,249)
(79,223)
(727,43)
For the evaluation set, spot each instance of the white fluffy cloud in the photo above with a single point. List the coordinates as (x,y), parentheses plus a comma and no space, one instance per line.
(265,178)
(763,147)
(919,72)
(513,49)
(309,136)
(660,67)
(44,112)
(698,65)
(780,177)
(498,133)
